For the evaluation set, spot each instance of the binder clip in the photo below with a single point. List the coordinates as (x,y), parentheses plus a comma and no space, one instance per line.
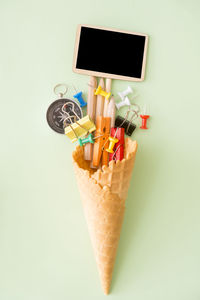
(80,128)
(118,150)
(126,123)
(100,145)
(79,97)
(125,92)
(69,109)
(100,91)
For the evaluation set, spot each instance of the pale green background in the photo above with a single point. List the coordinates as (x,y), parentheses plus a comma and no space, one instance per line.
(45,251)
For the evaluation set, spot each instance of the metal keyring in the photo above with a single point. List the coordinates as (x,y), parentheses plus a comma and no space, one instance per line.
(62,86)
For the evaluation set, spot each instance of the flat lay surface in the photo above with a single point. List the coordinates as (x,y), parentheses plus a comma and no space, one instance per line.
(45,250)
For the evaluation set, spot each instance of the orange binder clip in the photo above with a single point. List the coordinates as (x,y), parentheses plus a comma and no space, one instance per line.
(100,145)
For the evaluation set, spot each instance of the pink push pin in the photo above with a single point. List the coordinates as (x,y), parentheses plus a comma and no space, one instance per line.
(144,118)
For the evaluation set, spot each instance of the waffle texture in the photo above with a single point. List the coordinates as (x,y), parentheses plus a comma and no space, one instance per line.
(103,193)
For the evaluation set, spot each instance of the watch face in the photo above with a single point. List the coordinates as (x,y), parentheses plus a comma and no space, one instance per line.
(63,110)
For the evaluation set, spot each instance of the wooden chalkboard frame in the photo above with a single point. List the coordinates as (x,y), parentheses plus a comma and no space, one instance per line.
(107,75)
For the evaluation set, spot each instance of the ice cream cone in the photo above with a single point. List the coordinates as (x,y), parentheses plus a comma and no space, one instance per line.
(103,193)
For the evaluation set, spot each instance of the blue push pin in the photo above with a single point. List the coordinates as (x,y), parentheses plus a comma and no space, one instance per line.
(79,97)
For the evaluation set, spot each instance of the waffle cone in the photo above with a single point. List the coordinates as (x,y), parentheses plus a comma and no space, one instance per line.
(103,193)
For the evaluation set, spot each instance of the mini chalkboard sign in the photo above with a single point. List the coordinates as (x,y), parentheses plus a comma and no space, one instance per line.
(110,53)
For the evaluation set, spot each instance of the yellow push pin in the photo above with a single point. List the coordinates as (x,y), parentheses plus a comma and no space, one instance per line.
(113,141)
(101,92)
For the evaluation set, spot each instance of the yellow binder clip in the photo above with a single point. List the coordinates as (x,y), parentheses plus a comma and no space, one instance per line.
(101,92)
(79,128)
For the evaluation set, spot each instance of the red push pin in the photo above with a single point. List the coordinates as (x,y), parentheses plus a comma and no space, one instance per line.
(144,118)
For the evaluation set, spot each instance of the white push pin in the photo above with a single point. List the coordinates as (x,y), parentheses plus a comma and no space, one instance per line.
(124,102)
(125,92)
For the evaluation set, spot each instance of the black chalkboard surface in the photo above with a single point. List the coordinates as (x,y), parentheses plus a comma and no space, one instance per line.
(110,53)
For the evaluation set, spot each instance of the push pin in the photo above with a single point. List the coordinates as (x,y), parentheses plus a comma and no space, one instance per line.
(124,102)
(125,92)
(119,146)
(144,118)
(83,141)
(101,92)
(89,139)
(113,141)
(79,97)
